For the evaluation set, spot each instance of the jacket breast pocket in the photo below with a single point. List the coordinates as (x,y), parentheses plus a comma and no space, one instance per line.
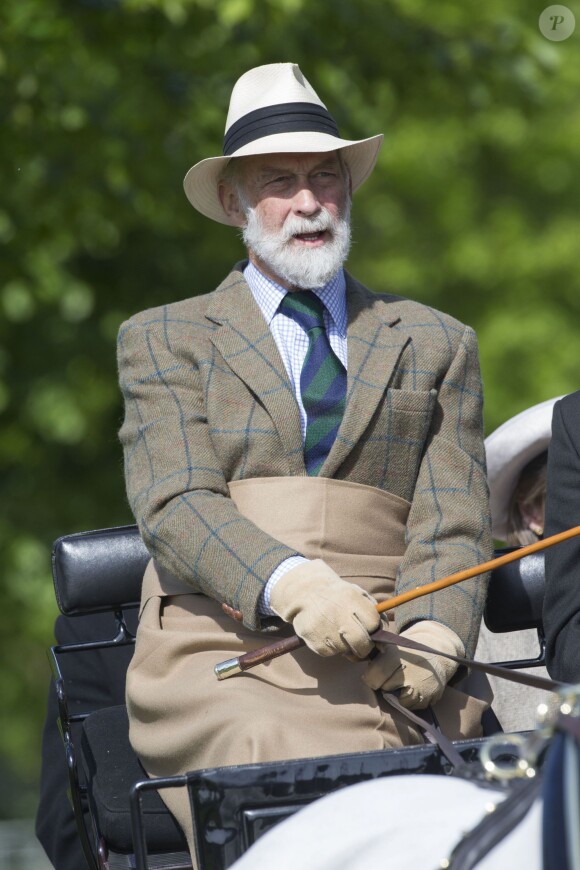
(404,428)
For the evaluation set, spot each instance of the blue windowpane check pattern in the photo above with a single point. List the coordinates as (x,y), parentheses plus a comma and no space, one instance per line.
(322,380)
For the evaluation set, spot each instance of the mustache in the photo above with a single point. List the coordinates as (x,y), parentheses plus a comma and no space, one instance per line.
(295,226)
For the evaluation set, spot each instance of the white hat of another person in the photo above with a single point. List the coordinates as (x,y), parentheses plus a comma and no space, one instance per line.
(508,450)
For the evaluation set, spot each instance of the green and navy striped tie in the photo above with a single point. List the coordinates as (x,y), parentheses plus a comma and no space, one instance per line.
(322,380)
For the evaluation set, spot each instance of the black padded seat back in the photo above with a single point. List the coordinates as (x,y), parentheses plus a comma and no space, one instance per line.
(515,594)
(98,571)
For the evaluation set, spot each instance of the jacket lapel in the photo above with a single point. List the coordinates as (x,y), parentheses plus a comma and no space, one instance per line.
(246,344)
(374,349)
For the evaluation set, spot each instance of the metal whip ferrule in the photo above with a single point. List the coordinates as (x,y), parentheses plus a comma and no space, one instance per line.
(226,669)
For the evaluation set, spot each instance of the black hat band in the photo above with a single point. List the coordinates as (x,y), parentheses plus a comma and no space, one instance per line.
(283,118)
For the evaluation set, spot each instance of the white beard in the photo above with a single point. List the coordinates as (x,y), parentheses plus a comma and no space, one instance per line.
(300,266)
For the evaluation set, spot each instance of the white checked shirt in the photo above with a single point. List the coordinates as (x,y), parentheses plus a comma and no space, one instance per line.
(292,342)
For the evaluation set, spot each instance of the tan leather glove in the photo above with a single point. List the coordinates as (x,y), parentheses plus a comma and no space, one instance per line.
(422,677)
(330,614)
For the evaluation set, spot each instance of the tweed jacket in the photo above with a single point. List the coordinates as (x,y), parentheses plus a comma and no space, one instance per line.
(208,401)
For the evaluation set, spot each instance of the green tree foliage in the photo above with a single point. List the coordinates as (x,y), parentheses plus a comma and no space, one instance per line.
(105,104)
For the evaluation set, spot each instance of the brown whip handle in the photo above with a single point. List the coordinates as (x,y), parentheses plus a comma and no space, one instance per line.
(264,654)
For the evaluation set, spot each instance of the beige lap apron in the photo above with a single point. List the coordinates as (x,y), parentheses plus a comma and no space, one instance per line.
(299,705)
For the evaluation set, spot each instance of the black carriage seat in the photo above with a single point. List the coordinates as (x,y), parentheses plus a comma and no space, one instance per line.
(101,571)
(515,598)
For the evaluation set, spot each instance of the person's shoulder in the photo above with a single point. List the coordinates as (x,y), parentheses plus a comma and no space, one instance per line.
(569,408)
(185,313)
(170,314)
(408,312)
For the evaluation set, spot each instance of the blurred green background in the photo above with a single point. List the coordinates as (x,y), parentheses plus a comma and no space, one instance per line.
(473,208)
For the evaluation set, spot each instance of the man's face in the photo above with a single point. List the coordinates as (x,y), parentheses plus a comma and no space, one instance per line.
(295,211)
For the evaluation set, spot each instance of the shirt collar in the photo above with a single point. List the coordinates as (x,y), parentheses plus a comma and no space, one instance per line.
(269,295)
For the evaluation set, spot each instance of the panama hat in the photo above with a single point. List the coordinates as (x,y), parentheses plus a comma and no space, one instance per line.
(508,450)
(274,110)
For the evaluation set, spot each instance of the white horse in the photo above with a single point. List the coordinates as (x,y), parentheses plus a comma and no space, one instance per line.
(406,822)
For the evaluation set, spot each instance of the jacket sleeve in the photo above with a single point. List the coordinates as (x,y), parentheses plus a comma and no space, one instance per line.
(448,527)
(562,598)
(176,488)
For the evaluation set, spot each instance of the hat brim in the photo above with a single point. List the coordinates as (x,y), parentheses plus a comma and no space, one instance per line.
(508,450)
(201,182)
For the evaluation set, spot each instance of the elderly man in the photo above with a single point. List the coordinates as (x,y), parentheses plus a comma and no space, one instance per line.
(297,449)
